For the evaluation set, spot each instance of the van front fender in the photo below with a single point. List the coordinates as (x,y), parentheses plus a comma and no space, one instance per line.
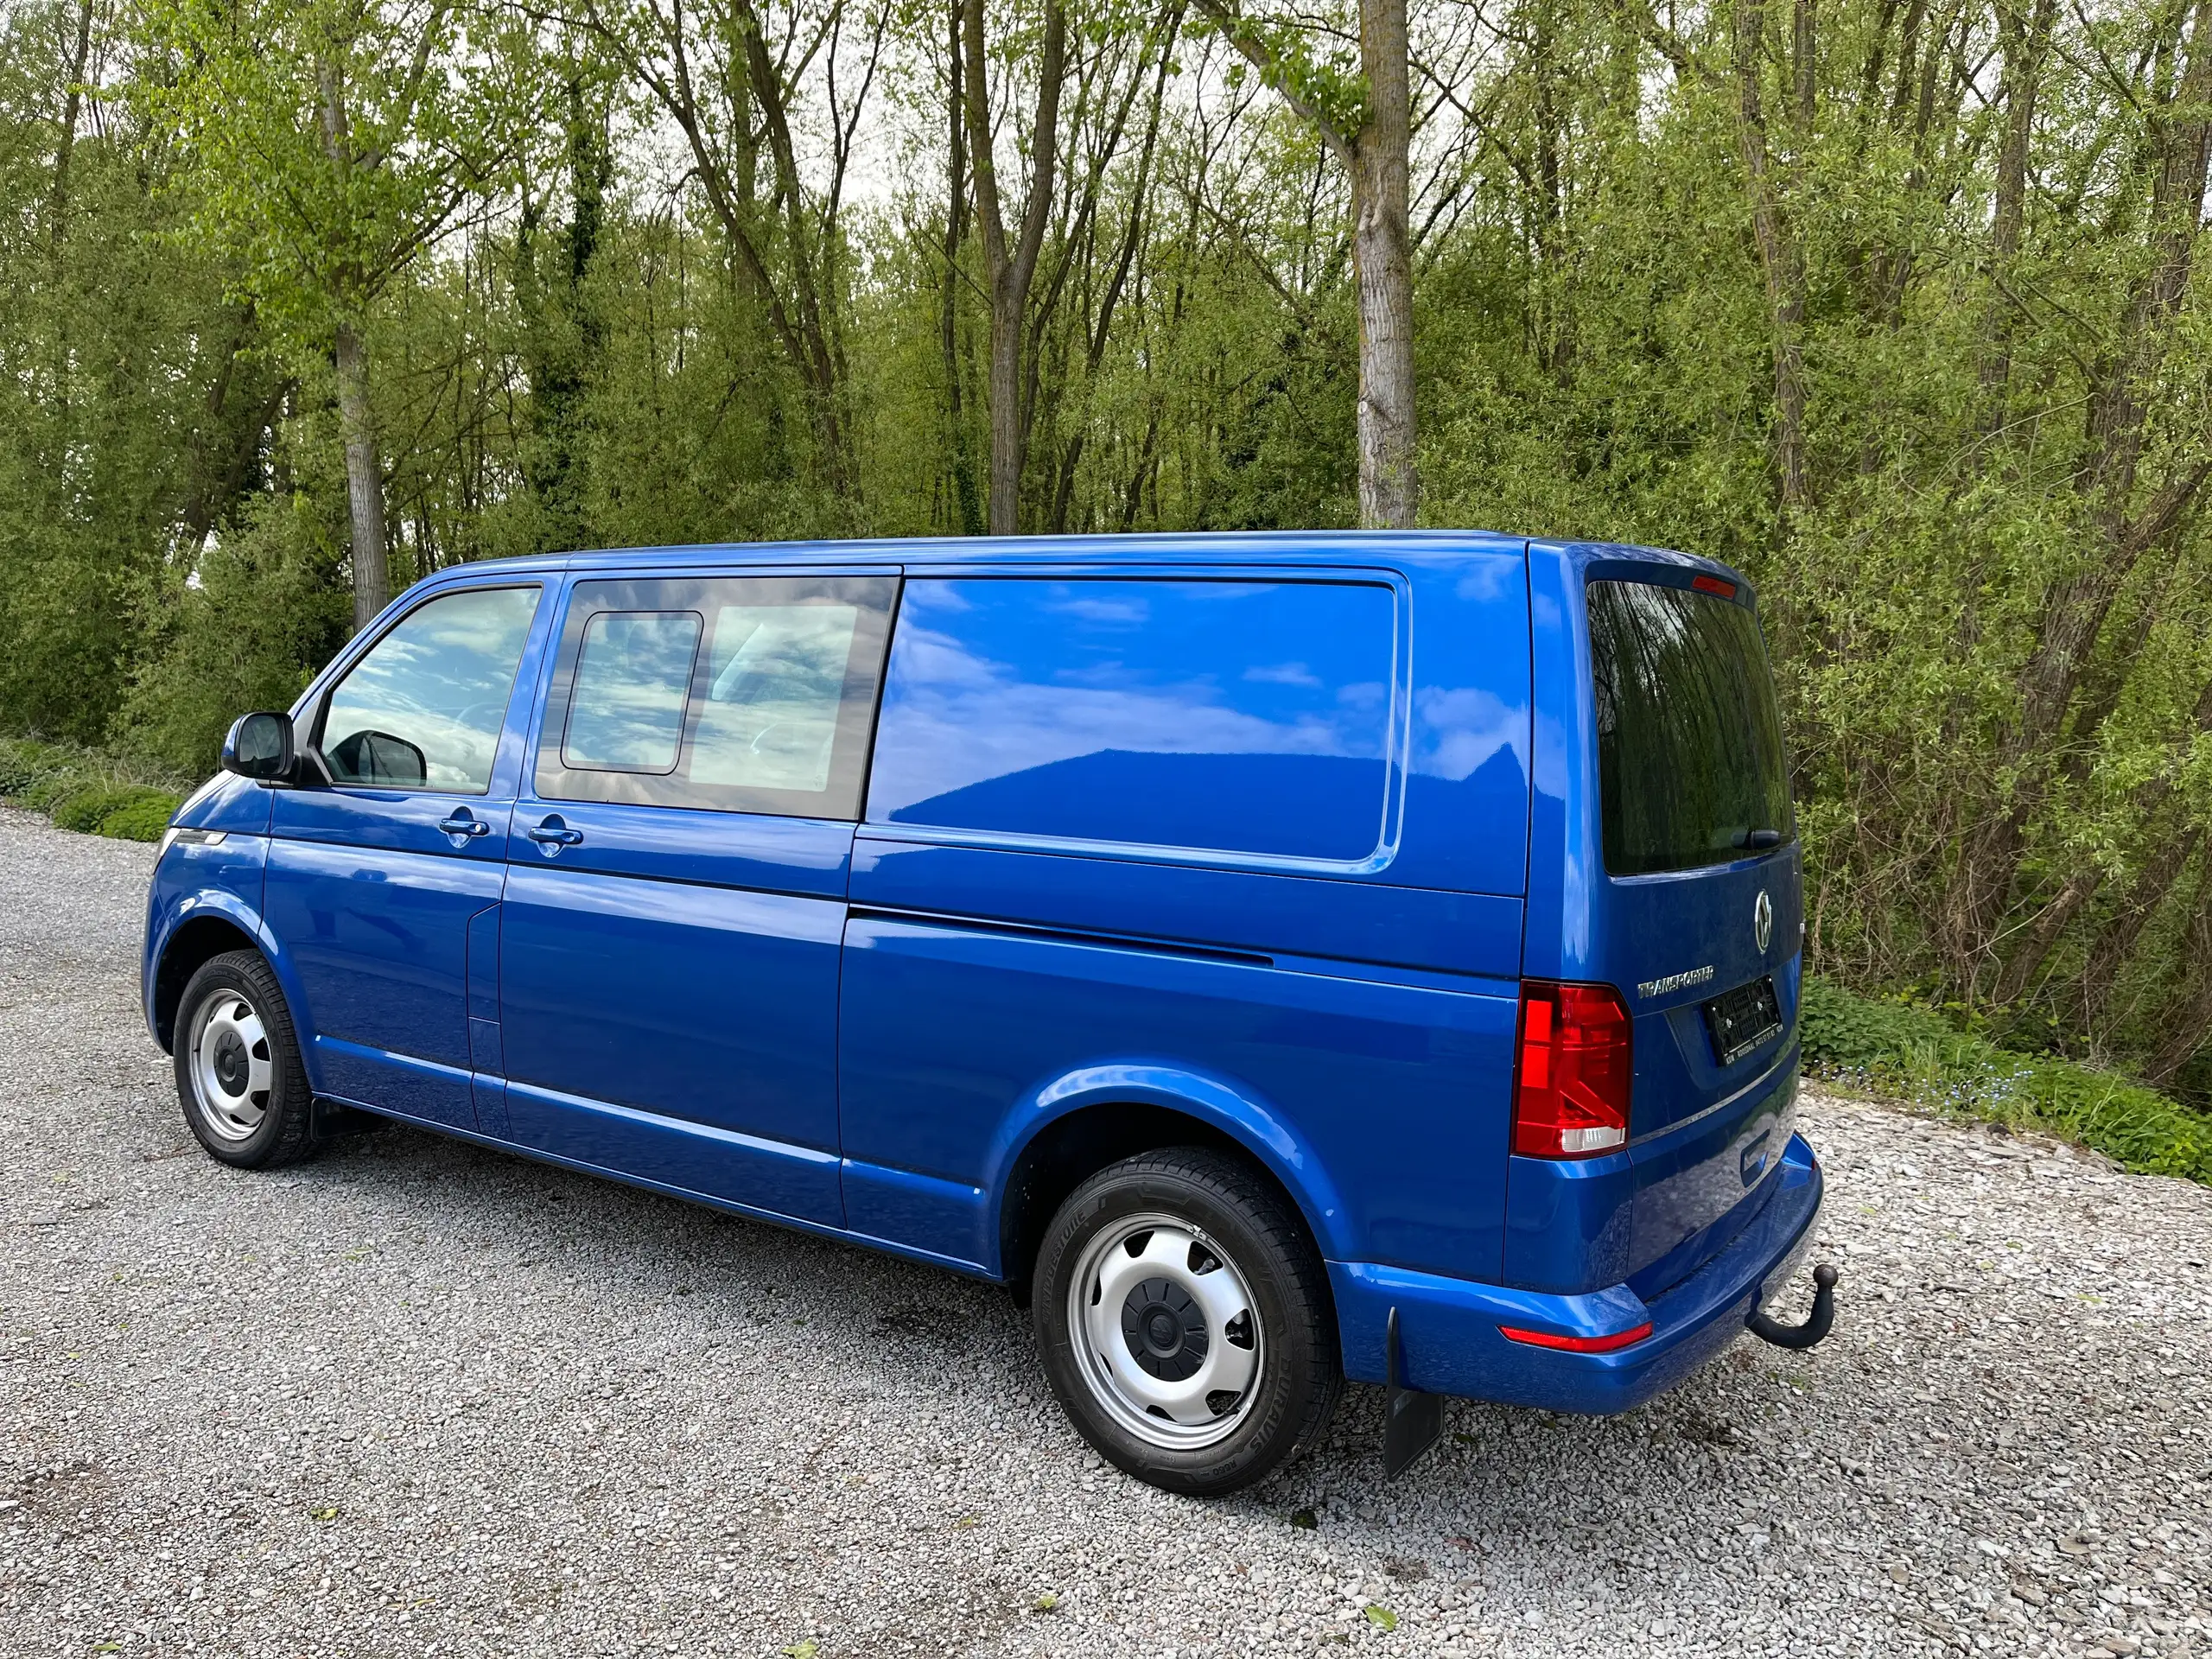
(219,904)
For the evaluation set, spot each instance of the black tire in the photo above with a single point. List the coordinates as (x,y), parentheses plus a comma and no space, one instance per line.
(233,1028)
(1221,1201)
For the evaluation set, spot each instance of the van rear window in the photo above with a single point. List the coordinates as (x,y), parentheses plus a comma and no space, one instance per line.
(1691,767)
(1241,717)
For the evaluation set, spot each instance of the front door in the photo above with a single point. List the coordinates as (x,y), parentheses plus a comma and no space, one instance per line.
(374,880)
(676,898)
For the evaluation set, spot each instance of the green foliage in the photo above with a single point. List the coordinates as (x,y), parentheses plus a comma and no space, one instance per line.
(328,141)
(1326,80)
(264,610)
(88,791)
(127,419)
(132,812)
(1906,1050)
(1988,597)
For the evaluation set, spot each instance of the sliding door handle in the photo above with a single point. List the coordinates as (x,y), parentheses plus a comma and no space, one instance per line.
(553,834)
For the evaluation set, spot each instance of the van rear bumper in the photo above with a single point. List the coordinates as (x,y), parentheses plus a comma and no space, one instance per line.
(1449,1327)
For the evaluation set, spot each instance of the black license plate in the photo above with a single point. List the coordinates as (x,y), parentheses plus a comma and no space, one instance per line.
(1743,1019)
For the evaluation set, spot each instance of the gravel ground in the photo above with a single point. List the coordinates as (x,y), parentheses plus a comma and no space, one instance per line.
(417,1398)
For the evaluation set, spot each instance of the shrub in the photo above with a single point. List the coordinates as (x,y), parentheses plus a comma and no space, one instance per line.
(1912,1053)
(24,765)
(87,790)
(142,816)
(82,809)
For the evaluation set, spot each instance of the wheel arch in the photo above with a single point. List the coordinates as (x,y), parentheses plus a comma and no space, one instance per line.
(1089,1119)
(208,925)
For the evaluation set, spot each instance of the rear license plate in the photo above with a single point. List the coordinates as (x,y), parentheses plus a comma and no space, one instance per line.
(1743,1019)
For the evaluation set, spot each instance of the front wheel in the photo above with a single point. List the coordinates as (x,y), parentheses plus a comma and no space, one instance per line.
(1185,1323)
(238,1075)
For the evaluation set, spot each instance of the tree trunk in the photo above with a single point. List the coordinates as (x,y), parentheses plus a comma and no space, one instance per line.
(73,104)
(1377,158)
(2022,39)
(225,447)
(1389,490)
(1009,304)
(1547,307)
(2188,1015)
(1011,267)
(364,477)
(970,509)
(1779,258)
(357,418)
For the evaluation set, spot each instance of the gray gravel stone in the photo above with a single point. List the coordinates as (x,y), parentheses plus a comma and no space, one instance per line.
(421,1399)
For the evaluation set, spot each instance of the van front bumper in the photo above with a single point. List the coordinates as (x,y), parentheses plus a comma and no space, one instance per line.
(1449,1328)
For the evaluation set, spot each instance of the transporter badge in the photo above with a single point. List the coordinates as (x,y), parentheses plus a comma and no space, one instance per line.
(1763,921)
(1681,981)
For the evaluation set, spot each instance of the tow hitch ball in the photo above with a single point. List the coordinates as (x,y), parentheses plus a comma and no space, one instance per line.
(1816,1323)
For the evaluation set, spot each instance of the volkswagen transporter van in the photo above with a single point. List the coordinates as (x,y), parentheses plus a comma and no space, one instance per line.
(1278,959)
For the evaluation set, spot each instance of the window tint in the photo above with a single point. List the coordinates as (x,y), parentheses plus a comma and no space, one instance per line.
(769,718)
(423,709)
(1242,717)
(733,694)
(1691,766)
(633,679)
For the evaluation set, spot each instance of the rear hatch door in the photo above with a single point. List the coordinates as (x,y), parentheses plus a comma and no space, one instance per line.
(1702,906)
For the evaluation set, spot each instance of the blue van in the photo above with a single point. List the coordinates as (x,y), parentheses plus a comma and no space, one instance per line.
(1277,958)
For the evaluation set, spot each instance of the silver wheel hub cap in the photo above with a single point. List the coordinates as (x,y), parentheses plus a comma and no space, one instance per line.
(228,1064)
(1165,1332)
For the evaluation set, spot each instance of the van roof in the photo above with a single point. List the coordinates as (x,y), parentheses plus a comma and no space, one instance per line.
(1254,547)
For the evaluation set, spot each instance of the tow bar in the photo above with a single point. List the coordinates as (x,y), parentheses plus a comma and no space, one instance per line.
(1816,1323)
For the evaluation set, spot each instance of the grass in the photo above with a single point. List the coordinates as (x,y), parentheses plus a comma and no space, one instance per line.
(1905,1051)
(87,790)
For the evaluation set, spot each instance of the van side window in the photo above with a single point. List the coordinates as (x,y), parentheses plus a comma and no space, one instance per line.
(769,717)
(423,709)
(633,677)
(730,694)
(1241,717)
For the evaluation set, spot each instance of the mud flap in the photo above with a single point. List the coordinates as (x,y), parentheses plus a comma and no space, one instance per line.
(1411,1421)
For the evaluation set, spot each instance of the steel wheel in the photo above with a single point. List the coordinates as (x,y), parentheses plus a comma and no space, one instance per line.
(230,1065)
(1165,1333)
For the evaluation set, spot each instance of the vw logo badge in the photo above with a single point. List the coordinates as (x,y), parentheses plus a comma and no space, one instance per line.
(1763,921)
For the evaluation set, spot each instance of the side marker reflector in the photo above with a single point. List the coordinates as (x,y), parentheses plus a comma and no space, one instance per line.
(1577,1344)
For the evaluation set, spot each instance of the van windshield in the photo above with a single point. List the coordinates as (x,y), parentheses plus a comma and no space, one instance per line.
(1691,767)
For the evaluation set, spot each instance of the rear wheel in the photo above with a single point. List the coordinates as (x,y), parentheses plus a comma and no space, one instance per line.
(238,1075)
(1185,1321)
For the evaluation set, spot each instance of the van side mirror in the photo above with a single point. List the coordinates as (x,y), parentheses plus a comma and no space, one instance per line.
(260,747)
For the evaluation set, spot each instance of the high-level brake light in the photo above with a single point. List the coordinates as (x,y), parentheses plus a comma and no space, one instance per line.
(1570,1070)
(1714,585)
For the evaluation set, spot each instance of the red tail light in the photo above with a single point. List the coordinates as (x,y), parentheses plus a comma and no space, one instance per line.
(1571,1074)
(1713,585)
